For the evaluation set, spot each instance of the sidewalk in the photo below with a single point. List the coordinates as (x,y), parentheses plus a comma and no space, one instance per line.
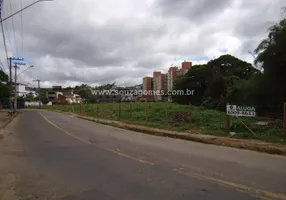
(4,118)
(255,145)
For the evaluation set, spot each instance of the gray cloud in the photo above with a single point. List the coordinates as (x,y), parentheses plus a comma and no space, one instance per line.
(256,16)
(195,11)
(83,41)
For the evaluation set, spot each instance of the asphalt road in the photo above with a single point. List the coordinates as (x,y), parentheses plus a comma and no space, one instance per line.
(54,156)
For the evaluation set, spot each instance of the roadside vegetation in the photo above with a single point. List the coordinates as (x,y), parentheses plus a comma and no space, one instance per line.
(171,116)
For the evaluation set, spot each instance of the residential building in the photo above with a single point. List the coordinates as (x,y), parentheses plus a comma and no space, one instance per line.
(147,83)
(186,65)
(108,98)
(147,88)
(57,94)
(159,85)
(185,68)
(172,74)
(166,81)
(175,73)
(53,96)
(24,91)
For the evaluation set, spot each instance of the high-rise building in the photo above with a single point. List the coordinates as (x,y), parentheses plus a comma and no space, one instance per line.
(147,83)
(159,85)
(186,65)
(161,81)
(185,68)
(172,74)
(175,73)
(148,87)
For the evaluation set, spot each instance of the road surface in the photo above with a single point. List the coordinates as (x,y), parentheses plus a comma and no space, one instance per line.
(48,155)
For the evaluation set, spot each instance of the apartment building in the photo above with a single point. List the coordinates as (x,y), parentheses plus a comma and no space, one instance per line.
(172,75)
(165,82)
(159,85)
(185,68)
(148,87)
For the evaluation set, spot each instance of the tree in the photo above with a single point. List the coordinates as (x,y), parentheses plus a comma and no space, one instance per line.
(271,55)
(214,81)
(195,79)
(4,86)
(83,90)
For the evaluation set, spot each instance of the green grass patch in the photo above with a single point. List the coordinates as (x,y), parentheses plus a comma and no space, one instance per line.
(171,116)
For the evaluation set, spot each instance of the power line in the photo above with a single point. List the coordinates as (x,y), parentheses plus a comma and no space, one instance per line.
(15,39)
(5,45)
(3,34)
(22,37)
(6,27)
(8,34)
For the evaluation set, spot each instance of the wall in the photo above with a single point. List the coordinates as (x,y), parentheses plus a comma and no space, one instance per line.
(32,103)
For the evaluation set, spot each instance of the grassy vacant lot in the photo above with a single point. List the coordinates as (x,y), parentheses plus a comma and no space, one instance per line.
(176,117)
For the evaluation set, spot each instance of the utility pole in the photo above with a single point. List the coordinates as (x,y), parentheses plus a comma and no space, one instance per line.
(15,95)
(39,92)
(11,84)
(11,59)
(16,91)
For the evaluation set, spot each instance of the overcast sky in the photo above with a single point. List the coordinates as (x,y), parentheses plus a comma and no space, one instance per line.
(103,41)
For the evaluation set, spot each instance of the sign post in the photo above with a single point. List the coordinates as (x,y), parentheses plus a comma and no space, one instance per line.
(227,118)
(236,110)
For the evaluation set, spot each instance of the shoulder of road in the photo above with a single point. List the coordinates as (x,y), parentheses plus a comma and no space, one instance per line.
(5,119)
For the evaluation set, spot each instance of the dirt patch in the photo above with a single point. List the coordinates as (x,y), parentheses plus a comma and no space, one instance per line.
(255,145)
(4,118)
(7,186)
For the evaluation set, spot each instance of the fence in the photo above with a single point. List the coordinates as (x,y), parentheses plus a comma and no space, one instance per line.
(185,118)
(5,104)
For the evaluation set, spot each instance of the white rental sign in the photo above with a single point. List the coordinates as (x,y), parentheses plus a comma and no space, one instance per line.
(235,110)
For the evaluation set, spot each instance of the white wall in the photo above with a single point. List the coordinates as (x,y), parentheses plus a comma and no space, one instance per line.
(36,103)
(32,103)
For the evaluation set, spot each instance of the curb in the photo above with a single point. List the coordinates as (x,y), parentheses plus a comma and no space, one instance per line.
(211,140)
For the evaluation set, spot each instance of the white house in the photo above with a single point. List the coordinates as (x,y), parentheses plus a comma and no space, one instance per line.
(23,90)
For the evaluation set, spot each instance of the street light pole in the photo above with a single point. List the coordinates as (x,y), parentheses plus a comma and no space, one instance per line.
(23,9)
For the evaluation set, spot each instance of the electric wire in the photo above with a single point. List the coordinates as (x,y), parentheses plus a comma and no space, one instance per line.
(13,26)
